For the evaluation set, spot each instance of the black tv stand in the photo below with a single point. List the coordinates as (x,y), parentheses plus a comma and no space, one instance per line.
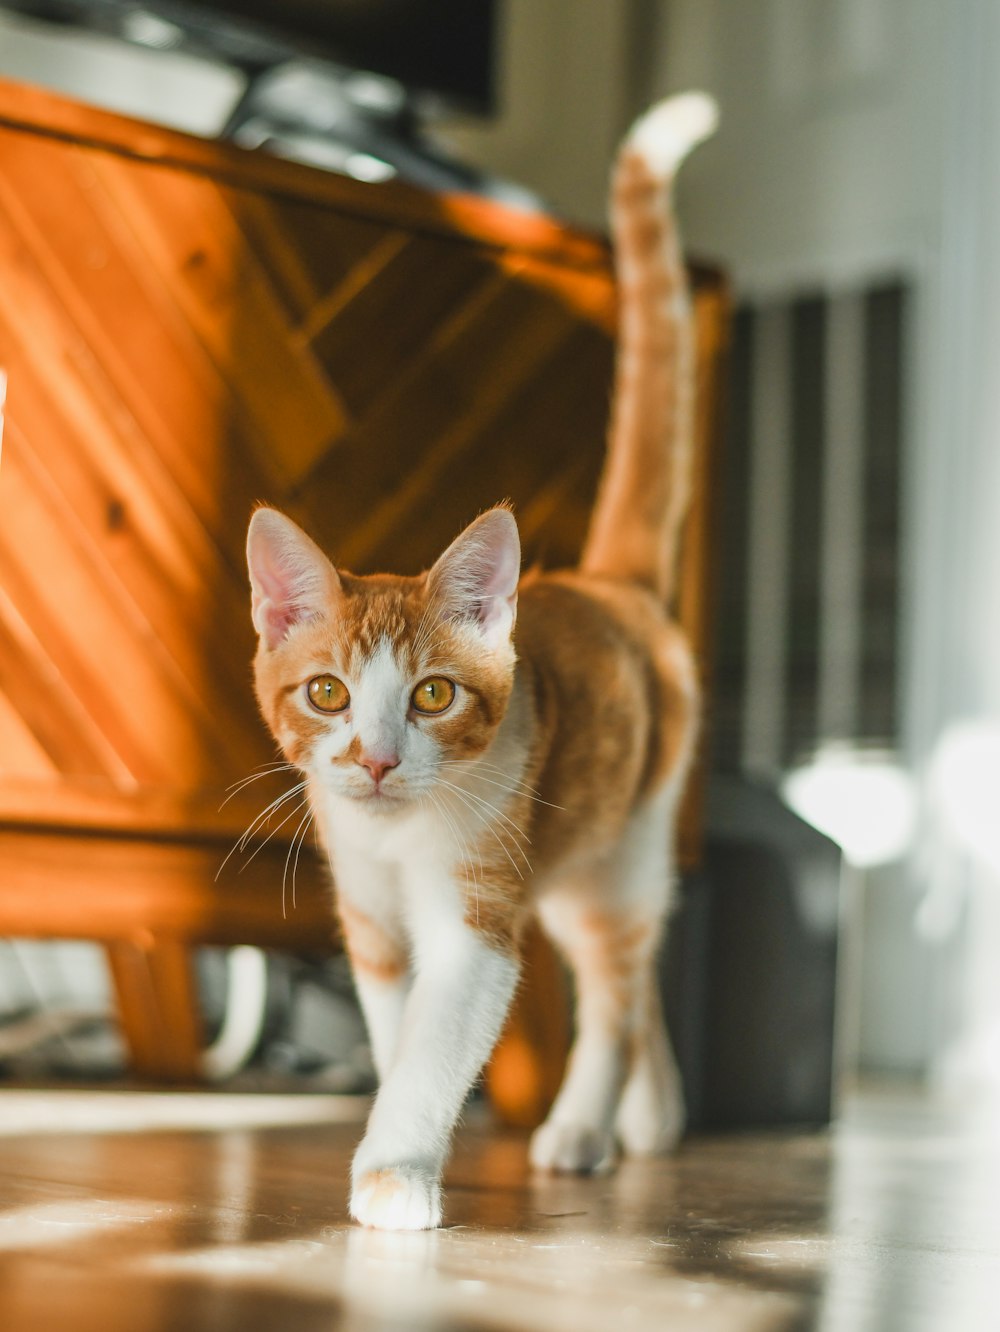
(346,121)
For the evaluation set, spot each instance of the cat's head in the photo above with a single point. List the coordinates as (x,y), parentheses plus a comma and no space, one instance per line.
(372,685)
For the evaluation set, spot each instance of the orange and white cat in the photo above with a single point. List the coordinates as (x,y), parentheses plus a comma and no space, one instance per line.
(478,747)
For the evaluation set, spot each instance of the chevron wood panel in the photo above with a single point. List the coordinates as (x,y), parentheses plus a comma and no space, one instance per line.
(189,330)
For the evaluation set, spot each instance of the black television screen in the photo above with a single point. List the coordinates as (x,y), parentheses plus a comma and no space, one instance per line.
(441,49)
(444,47)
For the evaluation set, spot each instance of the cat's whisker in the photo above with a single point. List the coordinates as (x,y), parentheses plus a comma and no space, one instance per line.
(470,771)
(274,831)
(495,809)
(272,764)
(465,765)
(470,867)
(492,816)
(464,851)
(521,783)
(439,807)
(462,848)
(288,856)
(295,863)
(272,808)
(269,771)
(489,823)
(241,841)
(304,823)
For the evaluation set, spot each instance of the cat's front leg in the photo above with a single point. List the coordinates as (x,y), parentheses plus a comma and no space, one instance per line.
(381,974)
(368,906)
(453,1017)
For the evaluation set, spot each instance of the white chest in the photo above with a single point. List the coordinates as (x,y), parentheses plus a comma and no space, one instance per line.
(395,840)
(397,868)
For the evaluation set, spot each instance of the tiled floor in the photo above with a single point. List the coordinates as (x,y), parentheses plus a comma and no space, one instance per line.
(143,1212)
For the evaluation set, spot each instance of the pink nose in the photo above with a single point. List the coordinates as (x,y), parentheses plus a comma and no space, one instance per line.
(378,766)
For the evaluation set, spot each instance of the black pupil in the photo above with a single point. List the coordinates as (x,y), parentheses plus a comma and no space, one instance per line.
(327,689)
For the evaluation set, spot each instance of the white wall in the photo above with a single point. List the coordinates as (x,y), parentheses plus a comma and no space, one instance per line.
(859,138)
(955,700)
(564,101)
(161,86)
(829,158)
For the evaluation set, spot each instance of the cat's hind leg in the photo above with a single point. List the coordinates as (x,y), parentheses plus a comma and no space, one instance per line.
(621,1080)
(650,1117)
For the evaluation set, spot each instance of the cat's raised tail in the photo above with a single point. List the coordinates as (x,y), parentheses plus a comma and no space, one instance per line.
(643,496)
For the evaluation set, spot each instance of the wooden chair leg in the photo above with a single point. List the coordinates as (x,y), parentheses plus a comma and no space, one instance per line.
(527,1066)
(158,1005)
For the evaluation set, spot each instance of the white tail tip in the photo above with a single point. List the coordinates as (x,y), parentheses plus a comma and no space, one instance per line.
(669,130)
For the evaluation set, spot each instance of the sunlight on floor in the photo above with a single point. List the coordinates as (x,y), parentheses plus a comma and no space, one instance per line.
(229,1209)
(64,1112)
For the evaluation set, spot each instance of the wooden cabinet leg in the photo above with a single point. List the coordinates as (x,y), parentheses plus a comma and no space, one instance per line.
(158,1005)
(527,1066)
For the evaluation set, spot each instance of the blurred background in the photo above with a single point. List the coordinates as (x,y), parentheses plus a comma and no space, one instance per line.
(852,198)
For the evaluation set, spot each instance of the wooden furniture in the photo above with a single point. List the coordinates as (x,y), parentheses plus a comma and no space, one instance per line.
(188,328)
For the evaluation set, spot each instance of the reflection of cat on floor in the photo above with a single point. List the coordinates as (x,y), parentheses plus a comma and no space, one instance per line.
(476,747)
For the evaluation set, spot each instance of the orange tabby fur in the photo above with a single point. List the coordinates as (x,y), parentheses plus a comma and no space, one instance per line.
(548,786)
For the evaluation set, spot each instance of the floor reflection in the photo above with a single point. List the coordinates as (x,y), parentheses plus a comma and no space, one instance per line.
(889,1222)
(914,1220)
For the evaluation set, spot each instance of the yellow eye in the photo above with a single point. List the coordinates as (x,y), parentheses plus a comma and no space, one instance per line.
(433,695)
(328,694)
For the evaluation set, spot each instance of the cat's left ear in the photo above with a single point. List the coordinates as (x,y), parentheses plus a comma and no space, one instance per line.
(475,580)
(292,580)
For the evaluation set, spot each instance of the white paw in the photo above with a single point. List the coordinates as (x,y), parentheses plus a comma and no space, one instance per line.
(648,1139)
(572,1149)
(650,1126)
(397,1198)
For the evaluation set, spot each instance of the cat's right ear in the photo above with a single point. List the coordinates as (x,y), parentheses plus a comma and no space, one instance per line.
(292,580)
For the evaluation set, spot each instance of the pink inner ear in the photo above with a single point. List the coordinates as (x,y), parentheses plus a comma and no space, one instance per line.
(274,619)
(504,555)
(476,578)
(291,578)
